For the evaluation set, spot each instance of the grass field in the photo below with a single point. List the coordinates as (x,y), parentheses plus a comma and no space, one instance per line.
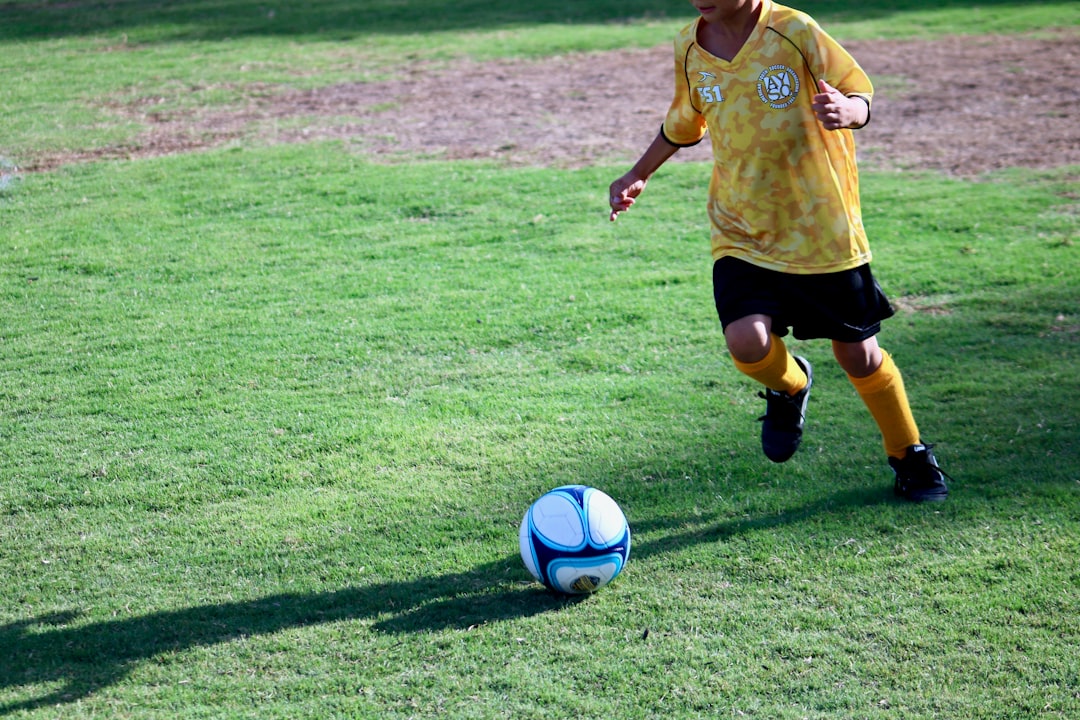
(270,416)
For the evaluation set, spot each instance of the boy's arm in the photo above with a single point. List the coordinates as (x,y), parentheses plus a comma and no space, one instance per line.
(622,193)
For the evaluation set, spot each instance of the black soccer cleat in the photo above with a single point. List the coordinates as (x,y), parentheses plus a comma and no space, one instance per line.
(785,415)
(918,477)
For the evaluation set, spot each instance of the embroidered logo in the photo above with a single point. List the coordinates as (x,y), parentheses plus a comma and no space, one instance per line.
(705,75)
(778,86)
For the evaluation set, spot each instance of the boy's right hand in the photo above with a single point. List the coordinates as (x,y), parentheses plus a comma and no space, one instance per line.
(623,192)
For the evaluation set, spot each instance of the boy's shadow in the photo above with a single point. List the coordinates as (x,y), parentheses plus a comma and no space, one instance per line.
(87,658)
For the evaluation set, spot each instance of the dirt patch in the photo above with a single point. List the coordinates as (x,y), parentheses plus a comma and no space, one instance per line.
(958,105)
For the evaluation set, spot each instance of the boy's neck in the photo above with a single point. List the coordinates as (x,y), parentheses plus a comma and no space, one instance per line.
(724,35)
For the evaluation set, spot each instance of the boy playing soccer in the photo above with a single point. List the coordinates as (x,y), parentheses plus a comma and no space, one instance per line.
(779,99)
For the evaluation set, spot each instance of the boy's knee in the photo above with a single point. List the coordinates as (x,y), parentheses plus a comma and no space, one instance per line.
(860,359)
(748,339)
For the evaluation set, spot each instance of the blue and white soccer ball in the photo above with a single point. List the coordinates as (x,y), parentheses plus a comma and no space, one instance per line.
(574,539)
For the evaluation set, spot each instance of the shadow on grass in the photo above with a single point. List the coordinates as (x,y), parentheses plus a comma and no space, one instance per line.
(88,658)
(344,19)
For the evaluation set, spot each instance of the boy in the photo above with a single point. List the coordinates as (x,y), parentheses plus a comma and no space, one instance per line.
(779,99)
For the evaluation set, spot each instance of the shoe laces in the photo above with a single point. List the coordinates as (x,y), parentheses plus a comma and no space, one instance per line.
(781,407)
(919,466)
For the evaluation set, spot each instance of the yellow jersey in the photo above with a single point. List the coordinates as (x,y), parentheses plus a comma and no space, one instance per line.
(784,192)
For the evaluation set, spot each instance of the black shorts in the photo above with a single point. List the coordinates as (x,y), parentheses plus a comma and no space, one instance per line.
(847,306)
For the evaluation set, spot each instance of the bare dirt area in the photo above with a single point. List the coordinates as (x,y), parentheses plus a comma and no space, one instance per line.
(962,106)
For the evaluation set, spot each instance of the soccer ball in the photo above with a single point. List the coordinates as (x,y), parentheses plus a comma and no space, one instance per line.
(574,539)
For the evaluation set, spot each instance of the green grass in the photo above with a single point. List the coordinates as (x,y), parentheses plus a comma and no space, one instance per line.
(269,417)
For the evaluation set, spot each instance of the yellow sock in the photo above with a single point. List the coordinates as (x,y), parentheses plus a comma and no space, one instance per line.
(884,395)
(777,370)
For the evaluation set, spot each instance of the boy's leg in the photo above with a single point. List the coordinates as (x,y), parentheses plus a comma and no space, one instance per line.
(882,390)
(774,367)
(747,299)
(788,380)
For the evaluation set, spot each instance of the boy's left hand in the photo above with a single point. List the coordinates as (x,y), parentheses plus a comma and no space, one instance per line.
(834,110)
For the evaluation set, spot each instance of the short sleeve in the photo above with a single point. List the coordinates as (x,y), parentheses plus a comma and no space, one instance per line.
(684,124)
(830,61)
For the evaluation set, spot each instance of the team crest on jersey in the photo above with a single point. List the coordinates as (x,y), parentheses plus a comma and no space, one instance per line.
(778,86)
